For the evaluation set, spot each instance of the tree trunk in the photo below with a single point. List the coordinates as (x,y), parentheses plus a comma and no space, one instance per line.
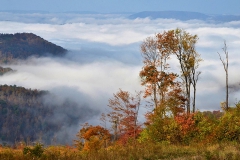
(225,66)
(227,86)
(194,97)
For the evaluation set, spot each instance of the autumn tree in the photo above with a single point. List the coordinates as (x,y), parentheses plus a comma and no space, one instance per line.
(225,66)
(184,48)
(124,115)
(155,75)
(92,138)
(151,60)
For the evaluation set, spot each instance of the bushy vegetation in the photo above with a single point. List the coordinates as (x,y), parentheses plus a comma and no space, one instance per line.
(200,135)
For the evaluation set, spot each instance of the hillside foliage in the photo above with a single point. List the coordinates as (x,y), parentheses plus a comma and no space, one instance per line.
(25,115)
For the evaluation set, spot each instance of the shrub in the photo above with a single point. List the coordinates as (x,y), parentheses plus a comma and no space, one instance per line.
(36,151)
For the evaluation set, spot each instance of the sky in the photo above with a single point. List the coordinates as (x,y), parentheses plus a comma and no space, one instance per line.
(104,50)
(106,6)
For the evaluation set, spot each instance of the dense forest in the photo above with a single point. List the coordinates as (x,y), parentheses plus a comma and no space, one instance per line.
(22,114)
(24,45)
(25,115)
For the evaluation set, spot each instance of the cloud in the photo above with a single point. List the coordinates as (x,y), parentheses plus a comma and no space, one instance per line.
(111,31)
(70,108)
(105,56)
(85,86)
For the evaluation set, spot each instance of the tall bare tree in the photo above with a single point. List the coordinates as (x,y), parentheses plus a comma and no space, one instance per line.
(225,66)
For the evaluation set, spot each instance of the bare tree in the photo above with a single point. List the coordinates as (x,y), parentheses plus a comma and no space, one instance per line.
(225,66)
(194,78)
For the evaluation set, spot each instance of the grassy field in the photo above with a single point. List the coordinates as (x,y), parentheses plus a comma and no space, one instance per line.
(148,151)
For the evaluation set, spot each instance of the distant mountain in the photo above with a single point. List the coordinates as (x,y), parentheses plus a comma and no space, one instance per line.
(184,16)
(23,45)
(181,15)
(225,18)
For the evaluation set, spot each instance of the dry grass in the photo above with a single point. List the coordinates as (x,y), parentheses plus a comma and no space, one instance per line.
(148,151)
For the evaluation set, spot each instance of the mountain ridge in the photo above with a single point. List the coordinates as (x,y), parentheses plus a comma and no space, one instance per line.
(185,15)
(24,45)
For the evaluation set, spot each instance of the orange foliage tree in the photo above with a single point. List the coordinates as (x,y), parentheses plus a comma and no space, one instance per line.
(161,84)
(156,51)
(124,115)
(92,137)
(187,125)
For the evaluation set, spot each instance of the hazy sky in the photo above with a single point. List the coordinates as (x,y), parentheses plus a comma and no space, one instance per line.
(204,6)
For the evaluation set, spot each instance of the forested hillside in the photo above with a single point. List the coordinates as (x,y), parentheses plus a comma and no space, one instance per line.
(23,115)
(23,45)
(26,116)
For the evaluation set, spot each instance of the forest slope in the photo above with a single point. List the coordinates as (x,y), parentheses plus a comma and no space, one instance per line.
(23,45)
(25,115)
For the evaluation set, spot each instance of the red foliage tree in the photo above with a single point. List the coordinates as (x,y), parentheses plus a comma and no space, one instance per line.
(124,114)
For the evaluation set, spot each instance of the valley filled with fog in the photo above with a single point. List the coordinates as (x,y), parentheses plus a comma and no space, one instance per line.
(104,55)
